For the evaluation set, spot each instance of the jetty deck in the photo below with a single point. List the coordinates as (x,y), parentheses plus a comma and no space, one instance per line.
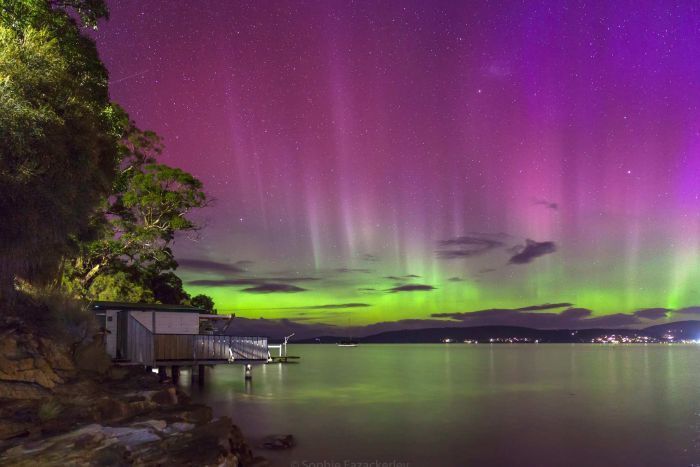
(142,347)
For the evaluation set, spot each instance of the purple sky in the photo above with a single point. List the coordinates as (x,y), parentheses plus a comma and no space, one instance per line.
(426,157)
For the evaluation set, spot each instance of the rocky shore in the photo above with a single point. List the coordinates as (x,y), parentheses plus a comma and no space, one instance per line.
(69,406)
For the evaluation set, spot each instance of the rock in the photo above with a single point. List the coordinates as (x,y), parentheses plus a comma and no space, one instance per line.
(145,442)
(118,373)
(216,443)
(11,429)
(140,407)
(113,409)
(166,396)
(18,419)
(93,357)
(178,427)
(25,358)
(57,356)
(114,455)
(20,390)
(18,365)
(132,437)
(196,414)
(8,344)
(278,442)
(24,364)
(52,414)
(158,425)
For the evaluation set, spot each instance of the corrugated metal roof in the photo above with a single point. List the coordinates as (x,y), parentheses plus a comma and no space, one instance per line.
(100,306)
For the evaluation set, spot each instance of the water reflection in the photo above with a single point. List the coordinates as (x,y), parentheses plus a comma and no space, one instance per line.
(472,404)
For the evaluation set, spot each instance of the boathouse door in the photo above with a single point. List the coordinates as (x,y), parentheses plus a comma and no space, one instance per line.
(122,334)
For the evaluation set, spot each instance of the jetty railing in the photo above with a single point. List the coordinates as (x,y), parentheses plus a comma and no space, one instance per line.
(139,345)
(202,347)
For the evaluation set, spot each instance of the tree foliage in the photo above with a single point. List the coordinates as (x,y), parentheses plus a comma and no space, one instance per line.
(80,185)
(133,232)
(204,302)
(58,134)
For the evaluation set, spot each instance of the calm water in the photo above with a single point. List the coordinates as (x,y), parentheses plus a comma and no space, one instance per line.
(482,405)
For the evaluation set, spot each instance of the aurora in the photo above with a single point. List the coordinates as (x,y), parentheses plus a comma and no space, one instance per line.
(421,161)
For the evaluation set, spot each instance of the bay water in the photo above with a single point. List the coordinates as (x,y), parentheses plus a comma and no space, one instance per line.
(461,404)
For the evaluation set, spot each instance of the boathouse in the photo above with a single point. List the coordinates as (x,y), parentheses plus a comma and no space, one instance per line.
(169,335)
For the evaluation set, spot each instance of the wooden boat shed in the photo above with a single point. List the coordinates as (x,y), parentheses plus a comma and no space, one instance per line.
(169,335)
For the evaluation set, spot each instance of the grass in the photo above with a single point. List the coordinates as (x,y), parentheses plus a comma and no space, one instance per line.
(50,410)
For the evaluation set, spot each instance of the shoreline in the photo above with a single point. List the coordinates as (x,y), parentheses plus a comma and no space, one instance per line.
(59,408)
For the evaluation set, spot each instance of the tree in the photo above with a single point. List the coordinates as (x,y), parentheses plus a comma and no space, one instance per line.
(58,134)
(133,232)
(166,287)
(120,286)
(204,302)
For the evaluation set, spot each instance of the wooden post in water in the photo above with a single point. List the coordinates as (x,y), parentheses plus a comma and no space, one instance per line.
(200,375)
(161,373)
(248,371)
(175,370)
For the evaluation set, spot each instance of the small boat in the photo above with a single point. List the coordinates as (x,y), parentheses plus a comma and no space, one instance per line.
(350,341)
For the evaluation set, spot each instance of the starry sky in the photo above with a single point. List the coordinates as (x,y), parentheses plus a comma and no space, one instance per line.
(418,162)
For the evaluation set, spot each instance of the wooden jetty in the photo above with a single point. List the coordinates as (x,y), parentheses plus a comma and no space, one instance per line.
(282,357)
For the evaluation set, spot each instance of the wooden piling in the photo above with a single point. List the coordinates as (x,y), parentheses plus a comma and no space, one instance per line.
(200,375)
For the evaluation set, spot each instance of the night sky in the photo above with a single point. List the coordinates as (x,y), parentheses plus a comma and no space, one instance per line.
(384,161)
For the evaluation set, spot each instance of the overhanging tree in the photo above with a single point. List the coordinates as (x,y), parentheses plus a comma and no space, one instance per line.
(134,231)
(58,134)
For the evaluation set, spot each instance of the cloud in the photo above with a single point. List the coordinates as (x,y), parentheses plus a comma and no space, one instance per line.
(455,279)
(244,263)
(611,321)
(571,313)
(338,305)
(411,288)
(249,281)
(691,310)
(224,282)
(401,278)
(366,289)
(547,204)
(274,288)
(370,258)
(456,254)
(652,313)
(488,239)
(547,306)
(532,250)
(291,279)
(571,318)
(346,270)
(330,306)
(468,246)
(205,265)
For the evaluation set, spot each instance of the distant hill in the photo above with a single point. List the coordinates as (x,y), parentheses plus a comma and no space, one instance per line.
(679,330)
